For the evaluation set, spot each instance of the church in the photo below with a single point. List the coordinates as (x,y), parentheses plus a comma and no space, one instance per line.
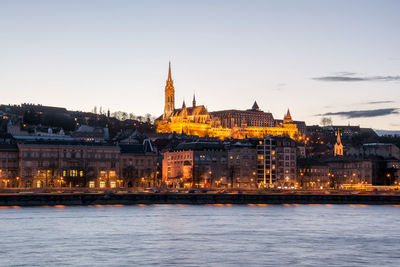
(238,124)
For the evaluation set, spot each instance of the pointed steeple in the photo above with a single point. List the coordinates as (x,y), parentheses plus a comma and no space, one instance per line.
(183,104)
(338,140)
(338,149)
(288,117)
(194,100)
(169,73)
(255,106)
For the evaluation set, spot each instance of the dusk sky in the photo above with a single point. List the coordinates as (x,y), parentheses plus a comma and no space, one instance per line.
(338,58)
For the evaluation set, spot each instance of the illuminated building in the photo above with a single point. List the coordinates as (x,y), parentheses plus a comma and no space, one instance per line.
(68,164)
(276,161)
(198,164)
(338,146)
(8,165)
(196,120)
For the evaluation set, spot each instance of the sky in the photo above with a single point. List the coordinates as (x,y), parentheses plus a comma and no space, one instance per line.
(336,59)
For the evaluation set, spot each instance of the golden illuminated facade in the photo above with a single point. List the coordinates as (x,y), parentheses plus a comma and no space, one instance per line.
(338,145)
(196,120)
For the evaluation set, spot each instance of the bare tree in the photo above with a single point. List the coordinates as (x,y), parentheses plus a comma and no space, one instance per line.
(326,121)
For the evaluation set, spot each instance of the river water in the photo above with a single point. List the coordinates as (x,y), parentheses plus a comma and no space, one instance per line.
(209,235)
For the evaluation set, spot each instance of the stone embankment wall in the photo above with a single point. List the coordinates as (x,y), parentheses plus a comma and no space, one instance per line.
(191,199)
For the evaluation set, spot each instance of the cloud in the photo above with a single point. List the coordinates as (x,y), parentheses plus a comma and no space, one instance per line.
(379,102)
(353,77)
(363,113)
(279,87)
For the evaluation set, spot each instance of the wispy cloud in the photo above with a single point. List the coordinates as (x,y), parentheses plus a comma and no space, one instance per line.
(363,113)
(353,77)
(279,87)
(379,102)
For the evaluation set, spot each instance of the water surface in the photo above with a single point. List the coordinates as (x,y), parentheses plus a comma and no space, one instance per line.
(209,235)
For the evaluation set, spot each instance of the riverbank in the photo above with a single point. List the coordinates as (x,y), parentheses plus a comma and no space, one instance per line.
(192,199)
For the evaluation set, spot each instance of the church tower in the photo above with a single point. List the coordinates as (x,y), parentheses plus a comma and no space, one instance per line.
(338,145)
(169,96)
(288,118)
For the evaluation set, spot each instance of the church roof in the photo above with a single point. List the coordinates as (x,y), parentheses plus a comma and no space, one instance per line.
(193,111)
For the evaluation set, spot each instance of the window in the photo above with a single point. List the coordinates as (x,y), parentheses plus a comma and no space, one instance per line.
(113,184)
(91,184)
(102,184)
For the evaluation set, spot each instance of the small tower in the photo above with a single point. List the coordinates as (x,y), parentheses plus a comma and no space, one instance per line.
(169,95)
(338,145)
(255,107)
(287,118)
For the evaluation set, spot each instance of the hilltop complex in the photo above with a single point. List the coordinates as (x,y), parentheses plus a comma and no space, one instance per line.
(238,124)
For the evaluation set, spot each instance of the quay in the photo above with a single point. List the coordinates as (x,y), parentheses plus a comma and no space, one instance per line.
(86,199)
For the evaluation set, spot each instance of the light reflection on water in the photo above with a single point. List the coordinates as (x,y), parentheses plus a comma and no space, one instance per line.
(212,235)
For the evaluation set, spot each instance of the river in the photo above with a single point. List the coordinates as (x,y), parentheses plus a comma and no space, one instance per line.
(200,235)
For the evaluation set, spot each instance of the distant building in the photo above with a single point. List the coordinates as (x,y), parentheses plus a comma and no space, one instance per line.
(381,149)
(253,117)
(237,124)
(91,134)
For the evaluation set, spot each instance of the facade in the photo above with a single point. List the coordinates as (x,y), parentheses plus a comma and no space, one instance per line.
(346,170)
(138,165)
(8,166)
(253,117)
(237,124)
(313,174)
(242,165)
(276,161)
(61,164)
(382,150)
(197,164)
(56,164)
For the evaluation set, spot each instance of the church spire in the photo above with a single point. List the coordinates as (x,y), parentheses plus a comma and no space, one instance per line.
(338,140)
(338,149)
(169,73)
(194,100)
(183,104)
(288,117)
